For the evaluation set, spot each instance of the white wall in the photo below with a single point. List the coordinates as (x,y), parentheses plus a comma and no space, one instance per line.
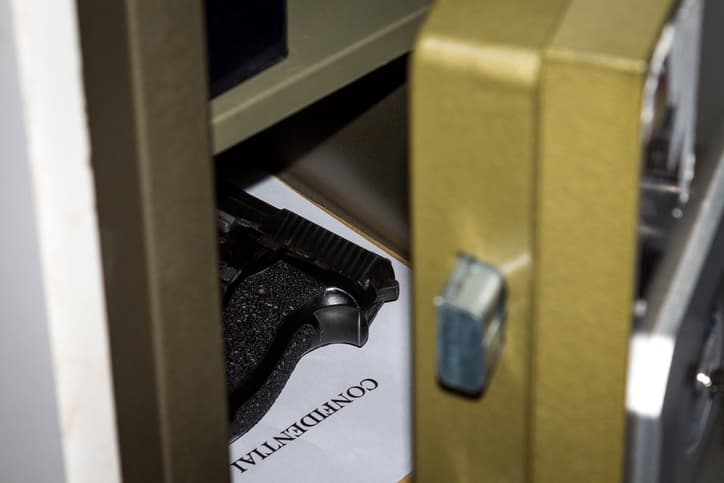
(57,420)
(30,447)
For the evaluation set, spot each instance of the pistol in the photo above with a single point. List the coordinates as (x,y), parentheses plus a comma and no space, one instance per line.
(288,287)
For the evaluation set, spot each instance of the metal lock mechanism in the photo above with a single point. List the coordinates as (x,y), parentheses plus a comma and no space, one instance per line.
(470,326)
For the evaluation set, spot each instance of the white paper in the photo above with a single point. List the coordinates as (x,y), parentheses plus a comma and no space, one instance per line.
(366,441)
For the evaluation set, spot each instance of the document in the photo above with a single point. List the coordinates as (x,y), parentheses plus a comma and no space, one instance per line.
(345,413)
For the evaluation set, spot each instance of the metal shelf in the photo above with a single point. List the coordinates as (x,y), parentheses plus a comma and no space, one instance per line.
(331,43)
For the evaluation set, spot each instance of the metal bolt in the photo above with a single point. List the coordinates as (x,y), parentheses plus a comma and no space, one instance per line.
(470,326)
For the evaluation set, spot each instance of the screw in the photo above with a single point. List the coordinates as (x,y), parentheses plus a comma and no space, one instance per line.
(713,382)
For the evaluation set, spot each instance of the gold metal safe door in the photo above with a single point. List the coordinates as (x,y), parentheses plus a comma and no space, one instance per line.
(526,155)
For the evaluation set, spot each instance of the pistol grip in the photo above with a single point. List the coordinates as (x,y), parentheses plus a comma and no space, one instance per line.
(271,320)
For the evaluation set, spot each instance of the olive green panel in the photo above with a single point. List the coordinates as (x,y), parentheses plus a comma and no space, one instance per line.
(474,100)
(586,243)
(331,43)
(144,73)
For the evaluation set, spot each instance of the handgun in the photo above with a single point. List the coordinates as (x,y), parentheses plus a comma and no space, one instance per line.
(288,287)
